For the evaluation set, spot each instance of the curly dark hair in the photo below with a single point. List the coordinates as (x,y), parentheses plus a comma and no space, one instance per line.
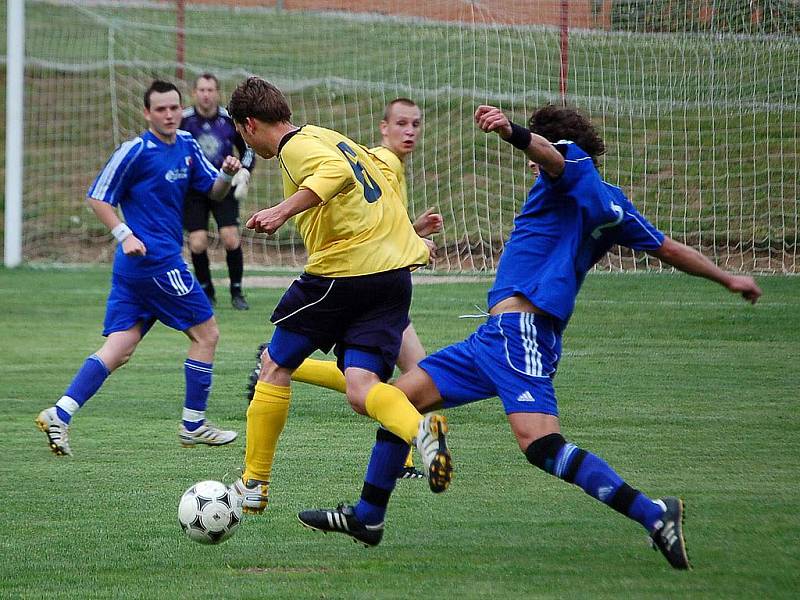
(259,99)
(556,123)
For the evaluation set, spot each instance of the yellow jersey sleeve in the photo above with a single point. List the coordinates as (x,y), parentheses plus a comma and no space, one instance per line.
(361,226)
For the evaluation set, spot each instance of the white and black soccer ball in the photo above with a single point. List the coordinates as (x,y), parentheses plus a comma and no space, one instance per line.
(209,512)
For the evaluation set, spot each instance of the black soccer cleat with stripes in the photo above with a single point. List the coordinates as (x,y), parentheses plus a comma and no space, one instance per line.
(252,379)
(342,519)
(668,536)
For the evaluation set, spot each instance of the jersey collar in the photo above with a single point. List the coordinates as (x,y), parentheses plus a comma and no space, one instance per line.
(287,137)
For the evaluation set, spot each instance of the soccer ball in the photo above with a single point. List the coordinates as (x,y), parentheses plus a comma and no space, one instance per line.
(209,513)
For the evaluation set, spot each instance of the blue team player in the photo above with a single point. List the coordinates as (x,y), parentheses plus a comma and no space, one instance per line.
(570,220)
(148,177)
(216,133)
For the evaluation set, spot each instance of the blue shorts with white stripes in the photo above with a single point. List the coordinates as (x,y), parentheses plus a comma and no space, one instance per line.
(512,355)
(175,298)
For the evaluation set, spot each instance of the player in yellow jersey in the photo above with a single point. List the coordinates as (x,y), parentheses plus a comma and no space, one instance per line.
(400,129)
(354,295)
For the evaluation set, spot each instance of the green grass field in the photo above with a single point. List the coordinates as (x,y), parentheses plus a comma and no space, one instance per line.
(682,387)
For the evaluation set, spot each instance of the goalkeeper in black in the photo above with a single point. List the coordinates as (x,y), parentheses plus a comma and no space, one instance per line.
(213,129)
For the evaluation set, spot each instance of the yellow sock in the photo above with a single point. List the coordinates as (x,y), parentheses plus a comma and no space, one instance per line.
(266,417)
(390,407)
(409,460)
(323,373)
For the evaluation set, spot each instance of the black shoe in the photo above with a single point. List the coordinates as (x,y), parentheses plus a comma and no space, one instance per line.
(411,473)
(342,519)
(239,303)
(252,379)
(668,536)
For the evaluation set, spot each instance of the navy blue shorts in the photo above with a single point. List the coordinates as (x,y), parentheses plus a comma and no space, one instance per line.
(174,298)
(367,313)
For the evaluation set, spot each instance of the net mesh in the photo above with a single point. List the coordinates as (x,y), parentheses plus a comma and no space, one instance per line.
(698,104)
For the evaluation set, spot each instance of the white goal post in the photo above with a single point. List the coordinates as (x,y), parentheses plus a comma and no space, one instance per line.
(15,151)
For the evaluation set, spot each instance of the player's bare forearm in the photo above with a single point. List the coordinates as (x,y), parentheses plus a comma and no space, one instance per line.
(107,215)
(222,184)
(691,261)
(538,149)
(271,219)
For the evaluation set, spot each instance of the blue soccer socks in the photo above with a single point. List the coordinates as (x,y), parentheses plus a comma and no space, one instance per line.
(84,385)
(553,454)
(388,457)
(198,387)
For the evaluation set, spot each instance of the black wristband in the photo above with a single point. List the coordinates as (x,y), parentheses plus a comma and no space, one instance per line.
(520,136)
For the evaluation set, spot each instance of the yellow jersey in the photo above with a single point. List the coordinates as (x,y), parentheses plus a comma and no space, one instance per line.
(397,170)
(360,226)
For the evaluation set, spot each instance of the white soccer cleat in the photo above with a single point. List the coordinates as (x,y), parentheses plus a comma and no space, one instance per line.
(254,494)
(56,430)
(432,447)
(205,434)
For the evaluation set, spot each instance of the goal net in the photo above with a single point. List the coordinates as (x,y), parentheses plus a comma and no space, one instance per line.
(697,101)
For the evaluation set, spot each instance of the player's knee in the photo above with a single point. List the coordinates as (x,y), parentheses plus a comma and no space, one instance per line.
(208,335)
(542,453)
(357,400)
(198,242)
(231,242)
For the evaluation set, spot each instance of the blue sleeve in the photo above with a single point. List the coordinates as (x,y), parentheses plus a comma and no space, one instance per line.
(579,170)
(581,183)
(112,181)
(203,172)
(636,232)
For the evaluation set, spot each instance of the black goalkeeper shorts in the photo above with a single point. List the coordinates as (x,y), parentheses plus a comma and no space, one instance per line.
(197,208)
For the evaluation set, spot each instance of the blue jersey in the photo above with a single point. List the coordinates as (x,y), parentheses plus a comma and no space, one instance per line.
(217,136)
(566,225)
(149,179)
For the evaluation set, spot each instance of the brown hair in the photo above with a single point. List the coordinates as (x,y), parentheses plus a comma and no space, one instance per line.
(259,99)
(209,76)
(556,123)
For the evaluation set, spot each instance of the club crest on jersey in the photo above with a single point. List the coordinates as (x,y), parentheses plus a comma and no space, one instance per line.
(210,145)
(174,175)
(188,160)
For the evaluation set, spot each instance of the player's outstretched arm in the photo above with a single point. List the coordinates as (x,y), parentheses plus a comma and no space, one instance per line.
(270,219)
(537,148)
(691,261)
(230,166)
(131,245)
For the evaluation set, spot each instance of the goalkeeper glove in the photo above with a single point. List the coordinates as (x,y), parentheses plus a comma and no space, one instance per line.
(241,183)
